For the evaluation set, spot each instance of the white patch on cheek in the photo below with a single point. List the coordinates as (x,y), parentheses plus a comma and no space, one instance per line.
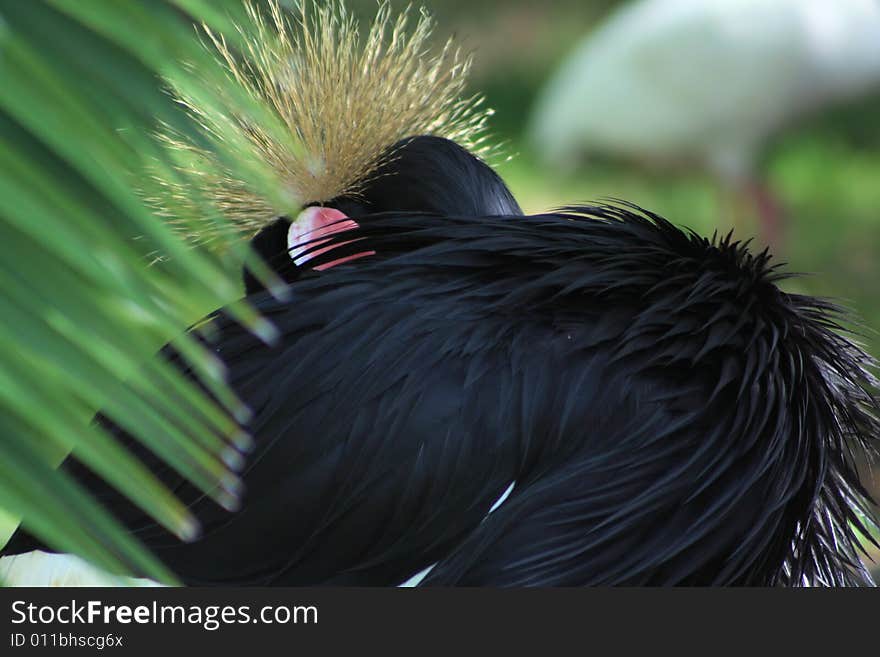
(301,230)
(313,223)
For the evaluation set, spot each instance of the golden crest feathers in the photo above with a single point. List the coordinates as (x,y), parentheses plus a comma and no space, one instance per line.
(341,102)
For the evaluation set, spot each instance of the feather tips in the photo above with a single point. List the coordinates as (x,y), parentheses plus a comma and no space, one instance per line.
(744,472)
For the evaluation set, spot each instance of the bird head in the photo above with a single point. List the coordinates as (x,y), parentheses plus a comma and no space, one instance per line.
(348,127)
(422,174)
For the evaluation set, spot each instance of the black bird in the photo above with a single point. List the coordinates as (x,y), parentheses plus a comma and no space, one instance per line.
(462,395)
(662,412)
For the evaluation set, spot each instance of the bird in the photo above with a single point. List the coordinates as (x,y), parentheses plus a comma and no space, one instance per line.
(465,395)
(709,83)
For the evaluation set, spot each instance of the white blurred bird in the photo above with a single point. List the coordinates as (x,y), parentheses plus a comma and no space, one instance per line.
(39,568)
(707,81)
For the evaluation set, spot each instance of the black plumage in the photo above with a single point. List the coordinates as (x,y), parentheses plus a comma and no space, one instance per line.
(667,413)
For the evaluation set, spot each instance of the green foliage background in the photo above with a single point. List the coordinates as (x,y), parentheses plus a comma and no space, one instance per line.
(80,98)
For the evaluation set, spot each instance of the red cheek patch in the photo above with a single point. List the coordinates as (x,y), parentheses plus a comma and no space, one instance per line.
(312,224)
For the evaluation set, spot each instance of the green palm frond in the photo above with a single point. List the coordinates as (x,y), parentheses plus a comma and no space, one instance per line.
(81,98)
